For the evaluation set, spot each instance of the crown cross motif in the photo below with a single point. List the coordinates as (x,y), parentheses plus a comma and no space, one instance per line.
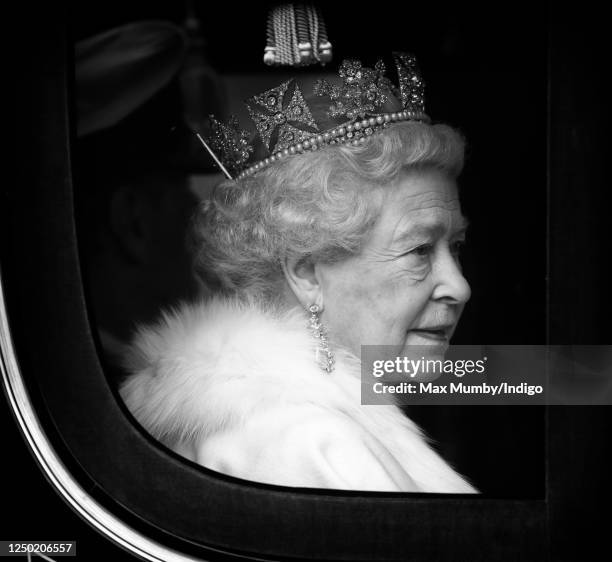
(276,124)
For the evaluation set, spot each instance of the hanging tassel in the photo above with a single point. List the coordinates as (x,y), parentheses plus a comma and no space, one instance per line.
(296,35)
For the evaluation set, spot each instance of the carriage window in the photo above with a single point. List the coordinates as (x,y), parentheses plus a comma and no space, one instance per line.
(241,269)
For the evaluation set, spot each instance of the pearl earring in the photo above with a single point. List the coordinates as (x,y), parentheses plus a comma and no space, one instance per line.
(323,355)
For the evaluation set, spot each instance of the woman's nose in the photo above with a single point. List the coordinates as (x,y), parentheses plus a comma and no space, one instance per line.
(450,284)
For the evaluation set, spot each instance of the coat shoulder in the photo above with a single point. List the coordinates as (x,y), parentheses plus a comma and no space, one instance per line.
(204,368)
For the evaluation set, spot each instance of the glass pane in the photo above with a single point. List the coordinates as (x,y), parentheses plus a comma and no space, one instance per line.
(231,365)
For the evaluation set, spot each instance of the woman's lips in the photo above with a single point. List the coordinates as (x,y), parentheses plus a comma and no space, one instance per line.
(435,334)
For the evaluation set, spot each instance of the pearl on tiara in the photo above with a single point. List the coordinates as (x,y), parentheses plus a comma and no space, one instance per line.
(351,132)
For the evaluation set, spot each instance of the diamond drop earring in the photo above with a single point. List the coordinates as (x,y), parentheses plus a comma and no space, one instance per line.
(324,355)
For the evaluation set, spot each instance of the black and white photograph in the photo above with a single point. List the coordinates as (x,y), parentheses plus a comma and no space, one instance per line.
(306,281)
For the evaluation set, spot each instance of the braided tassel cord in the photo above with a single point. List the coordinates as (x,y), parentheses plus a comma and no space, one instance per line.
(296,35)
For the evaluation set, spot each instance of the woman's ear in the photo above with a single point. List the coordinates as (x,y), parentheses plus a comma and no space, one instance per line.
(302,278)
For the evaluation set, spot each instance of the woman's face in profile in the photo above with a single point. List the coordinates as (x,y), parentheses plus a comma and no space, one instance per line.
(406,287)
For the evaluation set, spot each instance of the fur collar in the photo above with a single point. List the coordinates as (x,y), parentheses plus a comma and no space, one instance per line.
(208,367)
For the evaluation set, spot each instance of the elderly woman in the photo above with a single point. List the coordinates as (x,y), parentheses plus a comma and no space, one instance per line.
(314,253)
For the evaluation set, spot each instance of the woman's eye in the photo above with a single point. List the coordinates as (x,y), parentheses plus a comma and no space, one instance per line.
(422,251)
(420,254)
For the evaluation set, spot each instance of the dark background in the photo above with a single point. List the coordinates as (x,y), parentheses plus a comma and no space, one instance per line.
(537,243)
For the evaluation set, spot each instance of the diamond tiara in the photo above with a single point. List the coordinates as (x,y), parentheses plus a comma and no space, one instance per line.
(286,123)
